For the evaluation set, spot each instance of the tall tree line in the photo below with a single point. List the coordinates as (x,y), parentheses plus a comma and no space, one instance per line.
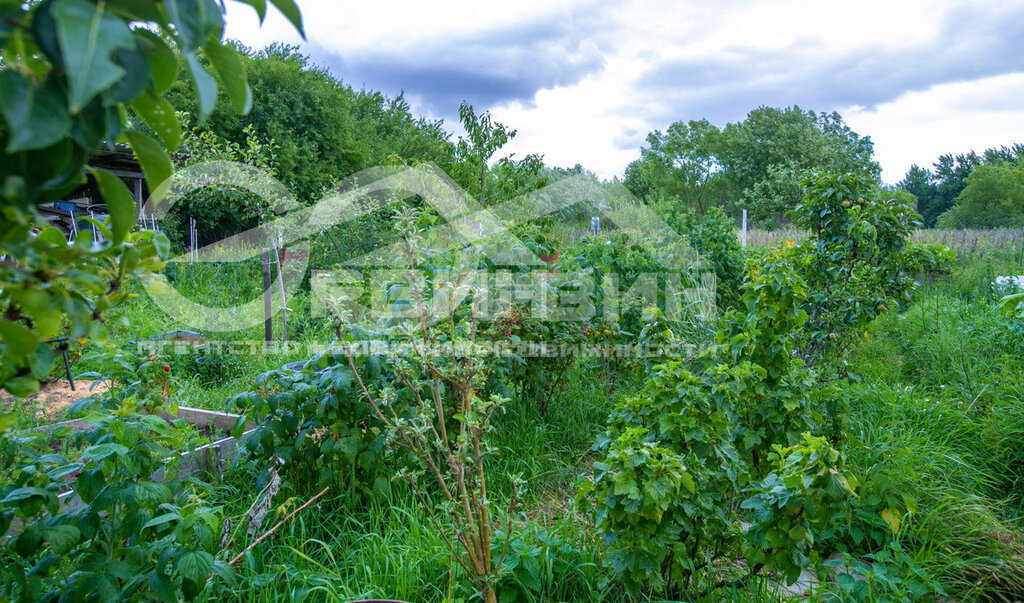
(322,129)
(755,164)
(971,190)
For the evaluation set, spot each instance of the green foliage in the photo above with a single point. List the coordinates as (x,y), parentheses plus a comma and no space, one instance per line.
(889,574)
(1013,305)
(534,378)
(301,108)
(681,456)
(798,499)
(220,211)
(857,260)
(508,177)
(323,130)
(54,282)
(134,379)
(935,431)
(756,164)
(937,189)
(129,536)
(713,235)
(682,164)
(993,197)
(313,428)
(79,75)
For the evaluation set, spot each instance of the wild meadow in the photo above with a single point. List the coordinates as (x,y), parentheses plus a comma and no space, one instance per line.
(485,378)
(923,401)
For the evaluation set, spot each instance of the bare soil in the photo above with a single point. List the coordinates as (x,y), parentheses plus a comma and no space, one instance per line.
(53,398)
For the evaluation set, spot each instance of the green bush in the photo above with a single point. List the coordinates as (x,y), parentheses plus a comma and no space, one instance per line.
(681,457)
(132,538)
(313,428)
(856,260)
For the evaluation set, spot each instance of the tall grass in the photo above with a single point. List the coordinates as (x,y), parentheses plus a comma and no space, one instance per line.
(938,417)
(353,546)
(965,242)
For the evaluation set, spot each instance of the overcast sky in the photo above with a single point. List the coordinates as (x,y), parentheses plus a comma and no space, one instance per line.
(584,81)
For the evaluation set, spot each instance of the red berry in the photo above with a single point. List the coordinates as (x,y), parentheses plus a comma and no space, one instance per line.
(167,369)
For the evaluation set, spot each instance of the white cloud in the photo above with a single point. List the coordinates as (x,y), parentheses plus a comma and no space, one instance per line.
(392,25)
(887,66)
(949,118)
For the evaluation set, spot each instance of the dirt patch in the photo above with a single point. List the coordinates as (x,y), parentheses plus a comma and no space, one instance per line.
(53,398)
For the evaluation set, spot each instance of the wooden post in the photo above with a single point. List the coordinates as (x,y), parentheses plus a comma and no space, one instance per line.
(284,309)
(137,193)
(744,228)
(268,323)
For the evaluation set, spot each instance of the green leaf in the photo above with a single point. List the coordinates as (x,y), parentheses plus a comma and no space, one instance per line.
(25,493)
(44,29)
(135,63)
(20,387)
(62,538)
(36,117)
(136,10)
(260,6)
(291,11)
(88,36)
(89,484)
(159,115)
(162,519)
(28,542)
(41,361)
(95,124)
(687,480)
(156,164)
(206,86)
(195,565)
(163,64)
(102,451)
(20,340)
(195,21)
(228,64)
(120,203)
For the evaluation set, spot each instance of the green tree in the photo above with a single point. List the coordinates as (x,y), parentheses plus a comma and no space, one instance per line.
(993,197)
(389,132)
(766,155)
(756,164)
(919,182)
(324,130)
(681,163)
(302,108)
(937,189)
(220,211)
(505,178)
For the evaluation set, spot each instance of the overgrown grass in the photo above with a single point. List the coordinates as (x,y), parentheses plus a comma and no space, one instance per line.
(936,414)
(363,547)
(938,418)
(977,243)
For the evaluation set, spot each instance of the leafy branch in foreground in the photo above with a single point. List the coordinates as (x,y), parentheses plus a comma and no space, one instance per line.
(78,76)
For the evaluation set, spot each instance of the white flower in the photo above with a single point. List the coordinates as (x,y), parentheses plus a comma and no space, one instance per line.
(1004,285)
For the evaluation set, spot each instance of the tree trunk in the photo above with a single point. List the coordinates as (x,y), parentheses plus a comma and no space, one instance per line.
(488,595)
